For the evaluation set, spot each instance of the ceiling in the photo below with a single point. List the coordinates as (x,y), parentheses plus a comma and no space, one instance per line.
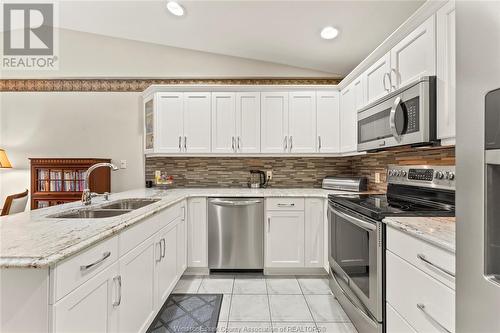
(285,32)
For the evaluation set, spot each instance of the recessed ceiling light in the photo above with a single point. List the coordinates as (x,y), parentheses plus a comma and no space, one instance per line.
(175,8)
(329,32)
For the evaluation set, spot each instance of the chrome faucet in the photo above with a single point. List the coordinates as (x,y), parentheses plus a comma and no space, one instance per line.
(86,194)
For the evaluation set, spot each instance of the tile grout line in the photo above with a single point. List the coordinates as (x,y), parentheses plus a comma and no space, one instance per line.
(269,307)
(307,304)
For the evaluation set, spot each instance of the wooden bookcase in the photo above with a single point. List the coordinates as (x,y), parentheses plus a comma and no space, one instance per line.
(56,181)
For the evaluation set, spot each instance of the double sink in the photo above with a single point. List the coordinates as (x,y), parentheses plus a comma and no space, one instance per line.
(112,209)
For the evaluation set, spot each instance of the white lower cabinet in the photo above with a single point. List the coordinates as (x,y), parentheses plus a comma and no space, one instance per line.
(182,240)
(284,239)
(197,233)
(396,323)
(92,307)
(166,270)
(314,234)
(137,272)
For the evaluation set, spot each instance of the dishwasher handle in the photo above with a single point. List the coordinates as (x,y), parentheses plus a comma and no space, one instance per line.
(220,202)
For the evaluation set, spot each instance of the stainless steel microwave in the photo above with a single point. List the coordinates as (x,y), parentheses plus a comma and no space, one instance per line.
(406,116)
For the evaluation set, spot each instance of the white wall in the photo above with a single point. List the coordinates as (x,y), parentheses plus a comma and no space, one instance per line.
(71,124)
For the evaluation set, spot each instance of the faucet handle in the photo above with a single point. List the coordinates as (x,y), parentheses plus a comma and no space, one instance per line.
(106,196)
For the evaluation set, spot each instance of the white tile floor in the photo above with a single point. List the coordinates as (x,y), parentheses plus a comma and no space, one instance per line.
(258,304)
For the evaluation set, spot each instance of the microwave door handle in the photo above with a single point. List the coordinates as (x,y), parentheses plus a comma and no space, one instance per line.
(354,220)
(392,119)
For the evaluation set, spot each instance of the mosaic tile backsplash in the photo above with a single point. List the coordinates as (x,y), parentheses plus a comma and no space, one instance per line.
(295,172)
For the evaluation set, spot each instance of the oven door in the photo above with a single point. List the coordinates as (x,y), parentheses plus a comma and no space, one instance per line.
(406,116)
(356,248)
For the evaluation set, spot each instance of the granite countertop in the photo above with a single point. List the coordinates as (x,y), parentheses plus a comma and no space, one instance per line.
(32,240)
(439,231)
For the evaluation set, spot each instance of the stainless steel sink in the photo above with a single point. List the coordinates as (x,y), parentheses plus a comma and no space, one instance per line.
(130,204)
(91,213)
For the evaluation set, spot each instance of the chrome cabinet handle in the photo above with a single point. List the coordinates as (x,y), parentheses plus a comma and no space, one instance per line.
(421,307)
(183,213)
(396,78)
(119,279)
(444,270)
(291,143)
(185,143)
(286,205)
(268,225)
(163,249)
(319,142)
(286,143)
(105,255)
(180,143)
(159,252)
(232,143)
(385,86)
(239,143)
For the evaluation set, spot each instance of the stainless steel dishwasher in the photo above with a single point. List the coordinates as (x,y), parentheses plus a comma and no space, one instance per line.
(236,233)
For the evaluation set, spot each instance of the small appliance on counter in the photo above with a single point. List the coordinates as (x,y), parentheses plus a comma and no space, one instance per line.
(257,179)
(352,184)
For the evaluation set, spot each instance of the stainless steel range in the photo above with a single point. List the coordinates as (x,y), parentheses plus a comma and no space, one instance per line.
(356,235)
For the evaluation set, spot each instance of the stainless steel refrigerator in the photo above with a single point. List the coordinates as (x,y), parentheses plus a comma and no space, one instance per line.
(478,166)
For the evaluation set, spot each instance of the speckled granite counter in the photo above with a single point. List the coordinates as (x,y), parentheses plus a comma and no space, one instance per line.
(32,240)
(439,231)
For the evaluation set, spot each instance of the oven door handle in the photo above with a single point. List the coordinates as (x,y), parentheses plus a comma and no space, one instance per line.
(367,315)
(354,220)
(392,119)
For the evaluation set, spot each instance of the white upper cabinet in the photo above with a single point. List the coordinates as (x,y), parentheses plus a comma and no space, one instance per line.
(445,73)
(223,123)
(169,122)
(377,79)
(302,122)
(348,120)
(274,122)
(359,93)
(328,121)
(248,122)
(197,122)
(414,56)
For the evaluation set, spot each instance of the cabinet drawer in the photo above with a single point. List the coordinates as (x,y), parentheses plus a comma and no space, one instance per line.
(431,259)
(78,269)
(141,231)
(285,204)
(395,323)
(408,288)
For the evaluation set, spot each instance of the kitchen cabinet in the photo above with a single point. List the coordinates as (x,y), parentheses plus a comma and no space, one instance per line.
(414,56)
(445,72)
(197,130)
(377,80)
(197,233)
(328,121)
(248,122)
(223,123)
(302,122)
(274,124)
(92,307)
(137,271)
(359,93)
(284,237)
(169,122)
(396,323)
(166,270)
(182,241)
(314,233)
(348,120)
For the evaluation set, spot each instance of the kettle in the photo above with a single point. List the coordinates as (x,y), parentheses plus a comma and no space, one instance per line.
(257,179)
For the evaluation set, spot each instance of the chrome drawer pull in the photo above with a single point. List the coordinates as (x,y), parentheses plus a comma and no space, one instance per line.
(286,205)
(163,249)
(422,257)
(180,143)
(119,279)
(421,307)
(105,255)
(286,143)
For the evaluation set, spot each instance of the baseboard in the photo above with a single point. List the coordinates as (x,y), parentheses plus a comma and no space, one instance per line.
(197,271)
(295,271)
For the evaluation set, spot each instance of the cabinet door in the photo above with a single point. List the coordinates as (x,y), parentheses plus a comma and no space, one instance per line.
(445,73)
(92,307)
(248,122)
(169,122)
(348,120)
(274,123)
(137,271)
(149,124)
(284,239)
(414,56)
(359,93)
(328,121)
(166,262)
(223,123)
(182,243)
(377,79)
(197,119)
(314,234)
(197,232)
(302,122)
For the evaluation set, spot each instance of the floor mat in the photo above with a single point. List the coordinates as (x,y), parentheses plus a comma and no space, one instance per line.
(185,313)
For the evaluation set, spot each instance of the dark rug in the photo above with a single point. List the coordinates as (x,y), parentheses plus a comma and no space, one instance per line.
(184,313)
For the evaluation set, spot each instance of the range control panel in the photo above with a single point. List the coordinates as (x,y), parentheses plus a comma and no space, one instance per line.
(441,176)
